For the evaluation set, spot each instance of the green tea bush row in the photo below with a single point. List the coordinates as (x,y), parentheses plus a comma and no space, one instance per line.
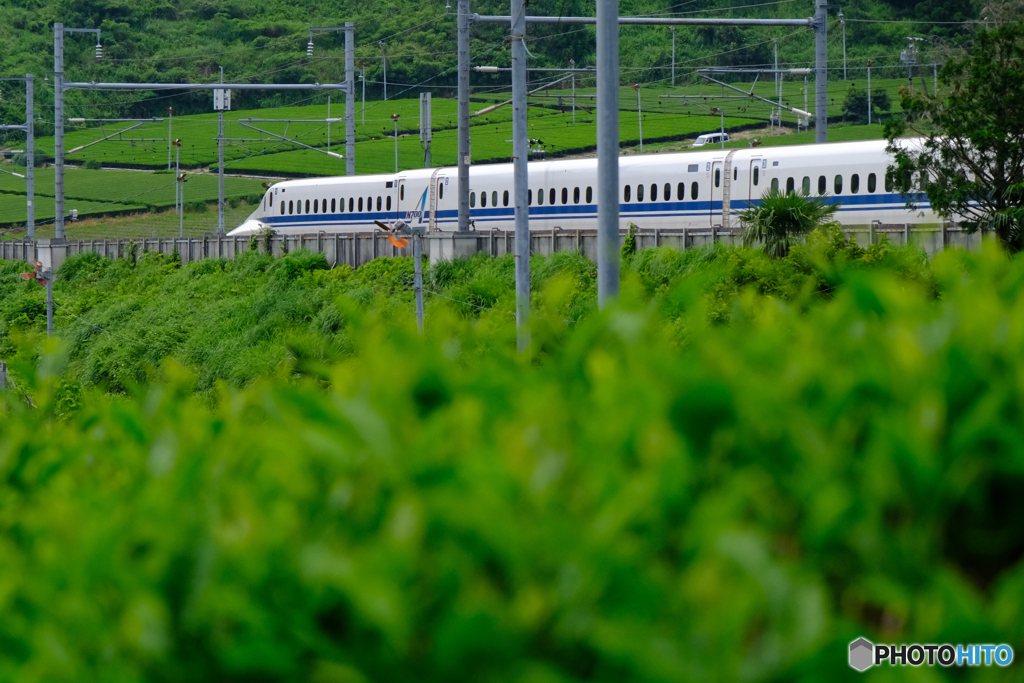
(736,497)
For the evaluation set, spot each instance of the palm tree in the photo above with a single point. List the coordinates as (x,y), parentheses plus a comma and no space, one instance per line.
(782,218)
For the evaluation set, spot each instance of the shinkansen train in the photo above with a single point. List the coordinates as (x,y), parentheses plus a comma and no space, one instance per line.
(689,189)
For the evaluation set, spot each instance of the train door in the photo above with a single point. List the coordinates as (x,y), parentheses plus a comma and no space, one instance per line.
(401,201)
(717,182)
(436,199)
(756,180)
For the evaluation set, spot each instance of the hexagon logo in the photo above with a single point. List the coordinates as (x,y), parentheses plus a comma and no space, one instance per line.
(861,654)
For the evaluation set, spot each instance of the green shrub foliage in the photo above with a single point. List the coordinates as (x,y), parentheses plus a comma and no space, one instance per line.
(647,495)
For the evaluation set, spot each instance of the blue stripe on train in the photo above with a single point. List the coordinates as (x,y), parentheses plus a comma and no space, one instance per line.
(851,203)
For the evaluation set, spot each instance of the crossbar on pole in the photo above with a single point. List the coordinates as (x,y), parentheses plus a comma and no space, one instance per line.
(654,21)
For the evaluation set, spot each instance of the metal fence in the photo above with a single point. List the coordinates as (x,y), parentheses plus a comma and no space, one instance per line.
(357,249)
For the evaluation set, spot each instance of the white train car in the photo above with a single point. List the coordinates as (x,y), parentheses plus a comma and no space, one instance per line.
(685,190)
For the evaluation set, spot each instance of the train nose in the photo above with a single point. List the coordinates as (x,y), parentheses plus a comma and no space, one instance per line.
(248,228)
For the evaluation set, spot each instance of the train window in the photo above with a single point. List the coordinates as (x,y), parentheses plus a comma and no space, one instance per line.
(692,168)
(757,175)
(839,184)
(323,206)
(289,207)
(332,204)
(854,183)
(654,192)
(369,203)
(565,195)
(693,190)
(504,198)
(888,182)
(389,203)
(668,191)
(735,173)
(529,197)
(822,184)
(378,203)
(401,192)
(625,193)
(639,193)
(806,185)
(775,184)
(494,198)
(316,205)
(680,191)
(472,199)
(351,201)
(718,177)
(307,206)
(790,186)
(483,199)
(872,183)
(551,196)
(590,195)
(282,208)
(576,195)
(360,204)
(440,190)
(540,197)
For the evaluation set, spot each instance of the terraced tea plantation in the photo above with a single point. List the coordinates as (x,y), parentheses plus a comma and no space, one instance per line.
(667,123)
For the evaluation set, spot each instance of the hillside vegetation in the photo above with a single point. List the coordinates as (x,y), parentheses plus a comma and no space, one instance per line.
(265,41)
(733,473)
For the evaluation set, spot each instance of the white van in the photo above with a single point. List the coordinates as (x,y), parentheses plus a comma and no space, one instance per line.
(711,139)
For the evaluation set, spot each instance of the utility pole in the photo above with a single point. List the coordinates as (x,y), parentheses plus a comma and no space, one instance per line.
(821,71)
(350,97)
(394,117)
(842,22)
(58,117)
(170,119)
(463,114)
(58,130)
(869,92)
(30,162)
(384,63)
(417,275)
(572,65)
(775,45)
(48,274)
(807,122)
(521,173)
(673,30)
(362,77)
(426,129)
(224,102)
(179,188)
(30,149)
(607,151)
(640,116)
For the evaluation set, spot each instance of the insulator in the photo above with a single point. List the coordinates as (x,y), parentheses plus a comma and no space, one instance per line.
(309,49)
(99,51)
